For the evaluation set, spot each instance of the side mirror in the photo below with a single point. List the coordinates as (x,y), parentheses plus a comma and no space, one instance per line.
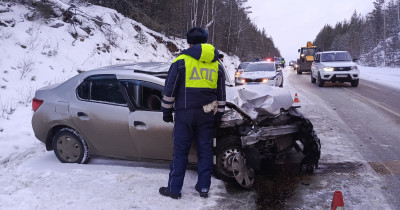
(298,50)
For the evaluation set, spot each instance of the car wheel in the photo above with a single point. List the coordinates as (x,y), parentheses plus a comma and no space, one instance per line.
(320,81)
(313,80)
(230,162)
(70,147)
(354,83)
(299,72)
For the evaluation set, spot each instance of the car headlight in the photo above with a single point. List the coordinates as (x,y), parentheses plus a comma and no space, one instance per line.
(265,80)
(328,68)
(240,80)
(354,68)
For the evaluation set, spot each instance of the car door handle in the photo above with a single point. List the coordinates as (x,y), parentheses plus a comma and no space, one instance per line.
(82,114)
(137,123)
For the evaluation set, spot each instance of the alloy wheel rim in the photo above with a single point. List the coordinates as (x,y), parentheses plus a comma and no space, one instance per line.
(226,161)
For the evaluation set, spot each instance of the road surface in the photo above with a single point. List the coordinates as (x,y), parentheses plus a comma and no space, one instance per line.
(363,127)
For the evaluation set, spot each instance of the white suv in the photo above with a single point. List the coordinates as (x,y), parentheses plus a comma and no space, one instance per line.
(334,66)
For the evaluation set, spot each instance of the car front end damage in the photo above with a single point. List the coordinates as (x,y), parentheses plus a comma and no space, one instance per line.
(244,141)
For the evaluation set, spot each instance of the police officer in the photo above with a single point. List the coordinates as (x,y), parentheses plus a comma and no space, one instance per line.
(195,85)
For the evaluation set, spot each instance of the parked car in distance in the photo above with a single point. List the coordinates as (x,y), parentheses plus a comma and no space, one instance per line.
(262,72)
(334,66)
(292,63)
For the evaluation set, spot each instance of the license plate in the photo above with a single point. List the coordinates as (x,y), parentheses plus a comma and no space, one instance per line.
(341,75)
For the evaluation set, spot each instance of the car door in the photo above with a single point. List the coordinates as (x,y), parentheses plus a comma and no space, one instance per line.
(314,65)
(100,113)
(152,136)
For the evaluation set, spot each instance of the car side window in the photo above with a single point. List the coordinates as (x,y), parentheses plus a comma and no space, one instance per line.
(144,95)
(83,90)
(106,90)
(317,58)
(101,88)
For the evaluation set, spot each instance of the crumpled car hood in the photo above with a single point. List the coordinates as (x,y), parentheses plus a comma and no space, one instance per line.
(256,100)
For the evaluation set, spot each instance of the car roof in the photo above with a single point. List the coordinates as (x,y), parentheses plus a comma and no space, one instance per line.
(254,63)
(157,69)
(331,52)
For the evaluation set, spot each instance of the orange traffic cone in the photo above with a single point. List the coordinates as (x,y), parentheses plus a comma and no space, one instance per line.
(296,98)
(337,201)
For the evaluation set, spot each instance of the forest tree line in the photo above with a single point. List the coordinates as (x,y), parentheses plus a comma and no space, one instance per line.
(227,21)
(373,39)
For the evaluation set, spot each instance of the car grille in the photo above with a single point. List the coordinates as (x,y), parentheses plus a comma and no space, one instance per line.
(253,80)
(342,68)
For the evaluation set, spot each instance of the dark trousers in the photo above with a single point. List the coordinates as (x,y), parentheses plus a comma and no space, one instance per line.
(192,124)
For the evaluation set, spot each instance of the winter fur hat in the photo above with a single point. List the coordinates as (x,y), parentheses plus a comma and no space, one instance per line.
(197,35)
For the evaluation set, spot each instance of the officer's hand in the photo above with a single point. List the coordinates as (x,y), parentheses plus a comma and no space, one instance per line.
(168,118)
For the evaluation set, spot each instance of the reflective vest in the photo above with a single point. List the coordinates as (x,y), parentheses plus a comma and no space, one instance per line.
(198,73)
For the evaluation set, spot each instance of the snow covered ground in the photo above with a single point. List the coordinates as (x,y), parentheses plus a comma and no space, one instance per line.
(35,54)
(382,75)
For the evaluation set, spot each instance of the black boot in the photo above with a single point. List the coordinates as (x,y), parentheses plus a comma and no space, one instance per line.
(202,194)
(165,192)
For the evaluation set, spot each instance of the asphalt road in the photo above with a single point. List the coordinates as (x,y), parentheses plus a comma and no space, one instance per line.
(371,115)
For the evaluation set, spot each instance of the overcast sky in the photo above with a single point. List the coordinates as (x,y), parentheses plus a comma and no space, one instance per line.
(291,23)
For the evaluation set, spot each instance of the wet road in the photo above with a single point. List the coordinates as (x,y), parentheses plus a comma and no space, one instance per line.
(360,133)
(370,114)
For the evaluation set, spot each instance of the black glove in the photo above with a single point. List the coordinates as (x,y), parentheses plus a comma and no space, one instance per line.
(167,117)
(218,119)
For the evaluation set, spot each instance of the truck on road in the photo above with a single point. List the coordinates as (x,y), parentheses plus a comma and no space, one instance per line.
(306,58)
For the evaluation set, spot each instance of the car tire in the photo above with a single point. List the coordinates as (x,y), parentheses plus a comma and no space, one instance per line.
(354,83)
(70,147)
(226,150)
(313,80)
(320,81)
(299,72)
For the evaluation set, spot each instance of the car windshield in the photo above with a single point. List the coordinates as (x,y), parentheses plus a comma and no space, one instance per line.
(243,65)
(335,56)
(260,67)
(308,51)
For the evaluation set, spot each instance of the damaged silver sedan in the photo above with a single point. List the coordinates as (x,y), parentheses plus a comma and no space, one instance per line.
(115,111)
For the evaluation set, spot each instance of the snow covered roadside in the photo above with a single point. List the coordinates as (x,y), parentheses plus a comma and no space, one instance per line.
(35,54)
(382,75)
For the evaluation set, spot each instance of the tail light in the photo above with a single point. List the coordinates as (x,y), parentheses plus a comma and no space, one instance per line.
(36,104)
